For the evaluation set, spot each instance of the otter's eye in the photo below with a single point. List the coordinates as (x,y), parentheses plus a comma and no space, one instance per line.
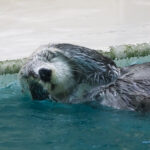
(47,55)
(50,56)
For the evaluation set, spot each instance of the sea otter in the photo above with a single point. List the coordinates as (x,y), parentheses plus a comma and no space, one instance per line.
(74,74)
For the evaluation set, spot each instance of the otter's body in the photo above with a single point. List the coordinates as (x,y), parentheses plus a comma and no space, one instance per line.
(73,74)
(130,91)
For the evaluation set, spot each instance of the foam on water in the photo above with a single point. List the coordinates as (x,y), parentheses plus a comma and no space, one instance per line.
(34,125)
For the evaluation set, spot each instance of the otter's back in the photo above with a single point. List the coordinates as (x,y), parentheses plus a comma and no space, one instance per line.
(138,71)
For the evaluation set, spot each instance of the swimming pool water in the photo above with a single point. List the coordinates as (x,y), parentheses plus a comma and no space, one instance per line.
(45,125)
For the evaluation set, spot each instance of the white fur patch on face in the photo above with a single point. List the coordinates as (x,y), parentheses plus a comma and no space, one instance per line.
(62,78)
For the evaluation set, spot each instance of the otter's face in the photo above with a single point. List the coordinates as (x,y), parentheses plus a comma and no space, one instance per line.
(47,74)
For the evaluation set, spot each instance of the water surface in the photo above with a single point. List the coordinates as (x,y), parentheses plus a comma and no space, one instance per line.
(35,125)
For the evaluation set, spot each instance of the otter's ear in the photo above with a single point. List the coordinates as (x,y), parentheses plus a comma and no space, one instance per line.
(37,91)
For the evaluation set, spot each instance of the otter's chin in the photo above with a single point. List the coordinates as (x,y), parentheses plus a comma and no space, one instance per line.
(37,91)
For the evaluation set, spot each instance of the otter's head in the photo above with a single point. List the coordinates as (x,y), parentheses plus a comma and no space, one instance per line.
(54,71)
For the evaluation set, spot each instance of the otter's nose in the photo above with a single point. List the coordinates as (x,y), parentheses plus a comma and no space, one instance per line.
(45,74)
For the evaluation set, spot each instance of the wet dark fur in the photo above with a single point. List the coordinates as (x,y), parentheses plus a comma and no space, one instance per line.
(95,68)
(121,88)
(130,91)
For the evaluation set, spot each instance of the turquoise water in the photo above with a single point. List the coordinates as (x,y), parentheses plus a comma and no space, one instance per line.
(45,125)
